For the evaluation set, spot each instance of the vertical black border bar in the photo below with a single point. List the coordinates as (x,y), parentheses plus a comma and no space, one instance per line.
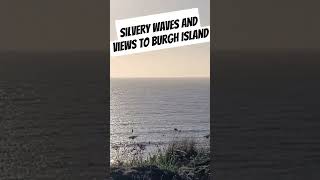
(212,77)
(108,93)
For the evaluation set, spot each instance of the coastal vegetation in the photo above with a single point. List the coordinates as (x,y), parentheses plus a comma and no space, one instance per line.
(180,160)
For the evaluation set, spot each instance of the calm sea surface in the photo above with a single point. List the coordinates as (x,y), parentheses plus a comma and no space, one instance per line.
(52,116)
(265,115)
(152,108)
(266,118)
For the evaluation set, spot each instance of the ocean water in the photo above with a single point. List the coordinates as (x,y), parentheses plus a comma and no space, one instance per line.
(52,116)
(266,115)
(151,109)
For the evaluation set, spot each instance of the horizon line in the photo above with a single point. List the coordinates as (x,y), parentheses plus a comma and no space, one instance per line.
(163,77)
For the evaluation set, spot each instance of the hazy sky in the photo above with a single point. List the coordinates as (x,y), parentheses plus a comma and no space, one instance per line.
(81,24)
(188,61)
(53,25)
(268,24)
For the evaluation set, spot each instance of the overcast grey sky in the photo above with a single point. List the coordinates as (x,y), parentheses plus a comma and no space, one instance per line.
(81,24)
(122,9)
(188,61)
(276,24)
(53,24)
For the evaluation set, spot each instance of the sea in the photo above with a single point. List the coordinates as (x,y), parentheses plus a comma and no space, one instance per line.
(265,115)
(53,115)
(158,112)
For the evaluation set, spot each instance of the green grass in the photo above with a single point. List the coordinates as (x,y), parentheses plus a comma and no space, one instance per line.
(174,156)
(181,157)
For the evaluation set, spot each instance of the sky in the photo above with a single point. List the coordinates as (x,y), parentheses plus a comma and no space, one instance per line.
(53,25)
(187,61)
(267,24)
(82,24)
